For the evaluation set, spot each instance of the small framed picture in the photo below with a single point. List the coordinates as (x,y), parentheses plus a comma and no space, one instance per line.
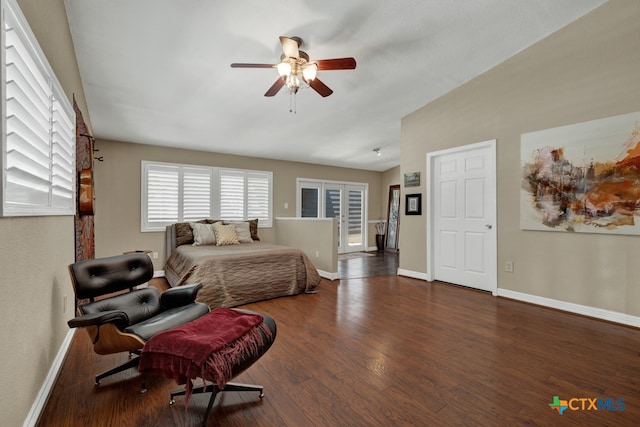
(412,179)
(413,205)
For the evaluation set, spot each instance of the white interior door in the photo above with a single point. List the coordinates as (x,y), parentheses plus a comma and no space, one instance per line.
(463,243)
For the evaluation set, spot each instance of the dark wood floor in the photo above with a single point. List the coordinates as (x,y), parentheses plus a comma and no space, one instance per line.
(367,264)
(387,351)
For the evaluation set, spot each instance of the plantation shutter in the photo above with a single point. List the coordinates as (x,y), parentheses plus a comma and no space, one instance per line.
(162,195)
(259,196)
(63,156)
(196,193)
(39,128)
(232,195)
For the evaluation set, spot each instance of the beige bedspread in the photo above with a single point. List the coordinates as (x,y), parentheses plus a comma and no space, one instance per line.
(241,274)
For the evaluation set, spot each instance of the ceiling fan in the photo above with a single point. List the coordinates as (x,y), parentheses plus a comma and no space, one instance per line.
(295,68)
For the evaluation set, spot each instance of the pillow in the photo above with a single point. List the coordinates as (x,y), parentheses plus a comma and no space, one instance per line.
(184,232)
(242,230)
(225,234)
(253,227)
(203,234)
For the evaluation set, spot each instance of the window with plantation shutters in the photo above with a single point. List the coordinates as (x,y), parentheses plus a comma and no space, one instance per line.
(174,193)
(160,195)
(38,127)
(245,195)
(181,193)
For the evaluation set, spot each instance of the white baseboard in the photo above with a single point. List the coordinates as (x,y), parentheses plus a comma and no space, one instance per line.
(598,313)
(158,273)
(327,275)
(412,274)
(49,381)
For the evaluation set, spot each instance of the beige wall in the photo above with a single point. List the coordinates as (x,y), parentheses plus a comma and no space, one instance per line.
(36,252)
(585,71)
(317,238)
(117,191)
(389,178)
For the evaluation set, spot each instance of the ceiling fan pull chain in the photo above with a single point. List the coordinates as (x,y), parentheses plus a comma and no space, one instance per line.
(292,103)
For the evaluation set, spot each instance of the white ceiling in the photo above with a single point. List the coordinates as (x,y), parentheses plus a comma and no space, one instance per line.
(157,71)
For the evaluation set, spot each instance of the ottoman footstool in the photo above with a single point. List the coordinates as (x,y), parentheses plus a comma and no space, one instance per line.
(216,348)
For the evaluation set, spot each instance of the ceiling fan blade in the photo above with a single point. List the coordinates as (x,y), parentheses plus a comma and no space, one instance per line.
(320,87)
(336,64)
(242,65)
(290,47)
(275,88)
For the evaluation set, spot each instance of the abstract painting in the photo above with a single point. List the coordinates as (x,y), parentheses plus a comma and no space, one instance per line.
(583,177)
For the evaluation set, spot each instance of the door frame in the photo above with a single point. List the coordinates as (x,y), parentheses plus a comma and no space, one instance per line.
(492,256)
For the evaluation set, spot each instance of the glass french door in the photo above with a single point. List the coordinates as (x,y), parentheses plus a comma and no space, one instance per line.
(346,202)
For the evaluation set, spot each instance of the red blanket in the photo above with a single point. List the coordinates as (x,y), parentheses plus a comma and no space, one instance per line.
(207,347)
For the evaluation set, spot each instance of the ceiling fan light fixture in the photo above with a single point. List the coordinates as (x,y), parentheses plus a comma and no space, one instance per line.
(284,69)
(297,71)
(309,71)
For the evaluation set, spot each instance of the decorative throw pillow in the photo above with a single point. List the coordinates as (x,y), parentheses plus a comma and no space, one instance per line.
(225,234)
(184,232)
(242,230)
(253,227)
(203,234)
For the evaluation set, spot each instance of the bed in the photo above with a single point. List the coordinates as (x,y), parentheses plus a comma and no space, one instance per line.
(239,273)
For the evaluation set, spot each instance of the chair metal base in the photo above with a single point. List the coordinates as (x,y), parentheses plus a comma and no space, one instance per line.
(132,363)
(214,390)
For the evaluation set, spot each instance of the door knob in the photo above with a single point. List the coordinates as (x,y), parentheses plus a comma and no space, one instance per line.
(489,226)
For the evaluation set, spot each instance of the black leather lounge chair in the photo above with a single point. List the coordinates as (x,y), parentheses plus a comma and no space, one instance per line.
(126,321)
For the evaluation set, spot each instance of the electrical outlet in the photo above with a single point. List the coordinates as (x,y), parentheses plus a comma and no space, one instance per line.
(155,255)
(508,266)
(317,254)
